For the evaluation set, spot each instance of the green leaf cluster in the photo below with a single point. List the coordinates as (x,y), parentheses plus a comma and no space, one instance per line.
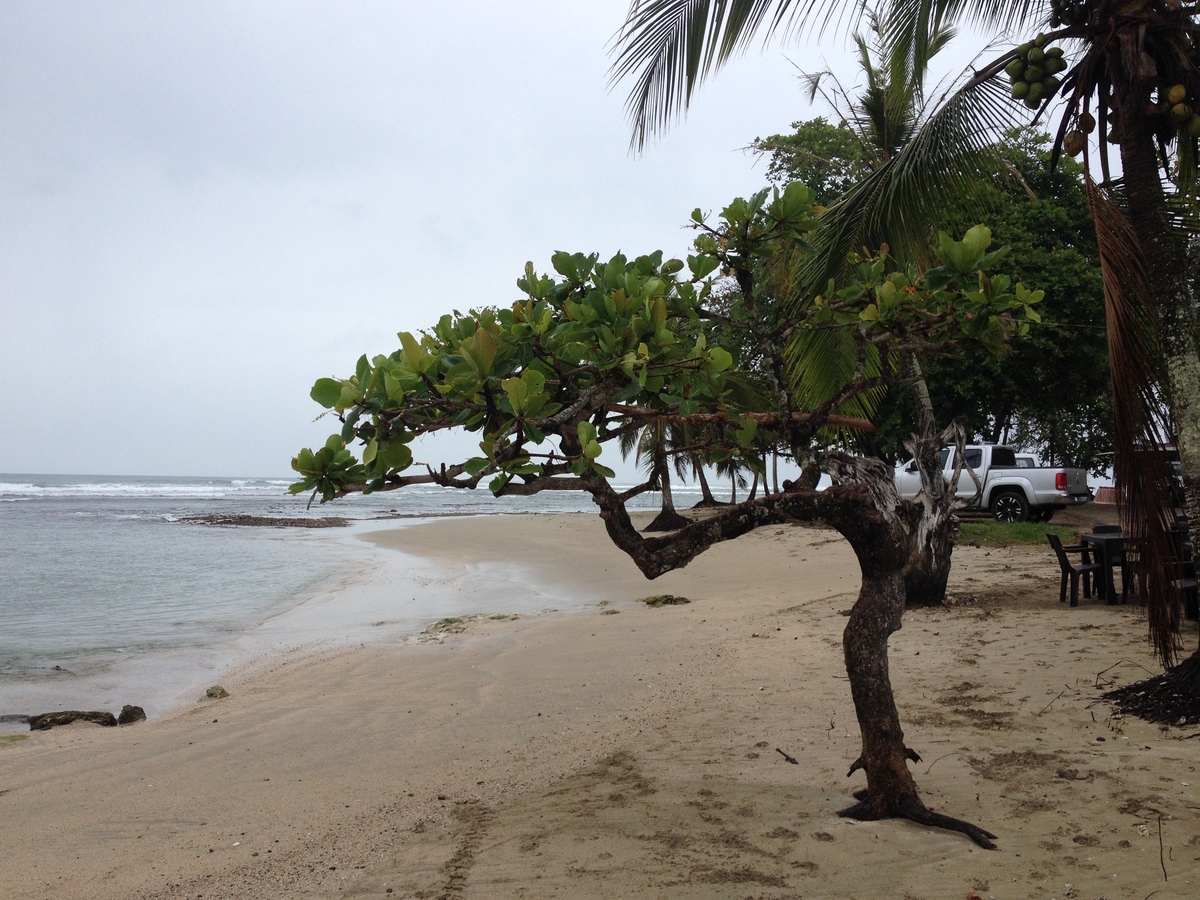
(598,348)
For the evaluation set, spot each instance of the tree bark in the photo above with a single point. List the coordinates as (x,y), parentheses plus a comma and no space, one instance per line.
(927,571)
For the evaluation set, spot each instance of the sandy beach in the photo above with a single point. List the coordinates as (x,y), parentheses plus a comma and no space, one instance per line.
(629,751)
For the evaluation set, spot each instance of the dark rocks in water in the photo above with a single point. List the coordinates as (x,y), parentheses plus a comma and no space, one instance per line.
(216,692)
(130,714)
(230,519)
(10,718)
(67,716)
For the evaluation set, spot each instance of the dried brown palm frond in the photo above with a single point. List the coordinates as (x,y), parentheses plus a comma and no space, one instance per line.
(1142,420)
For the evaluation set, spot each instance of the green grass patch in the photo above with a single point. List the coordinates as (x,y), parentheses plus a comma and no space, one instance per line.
(451,625)
(991,532)
(6,739)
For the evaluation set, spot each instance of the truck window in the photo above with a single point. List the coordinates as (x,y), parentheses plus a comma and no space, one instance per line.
(1003,456)
(974,457)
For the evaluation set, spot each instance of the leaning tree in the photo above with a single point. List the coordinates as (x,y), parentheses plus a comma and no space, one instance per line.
(606,348)
(1127,71)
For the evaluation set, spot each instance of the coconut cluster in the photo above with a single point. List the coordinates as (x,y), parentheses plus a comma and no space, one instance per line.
(1066,12)
(1183,109)
(1034,71)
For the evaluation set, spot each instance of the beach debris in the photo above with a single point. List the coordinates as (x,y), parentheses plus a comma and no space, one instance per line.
(216,692)
(46,721)
(658,600)
(788,757)
(130,714)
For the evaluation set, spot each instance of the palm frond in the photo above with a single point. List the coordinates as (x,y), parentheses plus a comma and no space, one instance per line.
(898,203)
(1142,421)
(822,363)
(670,47)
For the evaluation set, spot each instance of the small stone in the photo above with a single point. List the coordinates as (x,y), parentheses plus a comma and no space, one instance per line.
(216,692)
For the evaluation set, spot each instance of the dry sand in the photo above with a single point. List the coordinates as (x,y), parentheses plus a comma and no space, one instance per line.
(626,751)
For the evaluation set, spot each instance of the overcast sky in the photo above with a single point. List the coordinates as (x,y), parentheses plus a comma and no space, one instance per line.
(204,207)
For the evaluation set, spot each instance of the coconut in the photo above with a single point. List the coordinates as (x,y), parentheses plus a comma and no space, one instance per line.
(1193,125)
(1176,94)
(1074,142)
(1020,89)
(1181,111)
(1087,123)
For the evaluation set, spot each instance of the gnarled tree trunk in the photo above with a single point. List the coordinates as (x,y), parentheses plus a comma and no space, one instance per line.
(868,512)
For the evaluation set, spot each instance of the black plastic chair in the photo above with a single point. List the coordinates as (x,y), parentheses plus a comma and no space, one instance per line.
(1182,574)
(1086,569)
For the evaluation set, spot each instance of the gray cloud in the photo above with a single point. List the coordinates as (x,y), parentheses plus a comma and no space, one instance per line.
(206,206)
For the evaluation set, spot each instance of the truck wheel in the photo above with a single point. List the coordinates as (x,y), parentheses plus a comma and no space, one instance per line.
(1048,513)
(1010,506)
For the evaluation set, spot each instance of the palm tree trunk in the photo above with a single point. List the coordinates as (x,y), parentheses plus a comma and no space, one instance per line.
(706,495)
(667,519)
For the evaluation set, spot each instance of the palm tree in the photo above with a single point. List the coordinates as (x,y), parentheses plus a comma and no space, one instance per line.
(885,117)
(1135,73)
(1133,63)
(653,446)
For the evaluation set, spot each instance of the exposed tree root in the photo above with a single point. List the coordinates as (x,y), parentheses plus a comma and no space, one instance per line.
(868,809)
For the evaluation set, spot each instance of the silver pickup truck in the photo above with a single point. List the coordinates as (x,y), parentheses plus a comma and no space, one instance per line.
(1009,492)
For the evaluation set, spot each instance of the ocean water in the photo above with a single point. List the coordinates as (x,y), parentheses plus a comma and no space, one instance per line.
(107,596)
